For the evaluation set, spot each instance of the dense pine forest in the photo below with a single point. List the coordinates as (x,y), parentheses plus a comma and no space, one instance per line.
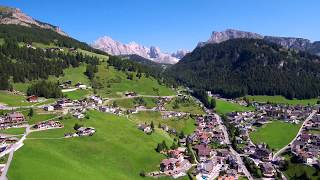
(246,66)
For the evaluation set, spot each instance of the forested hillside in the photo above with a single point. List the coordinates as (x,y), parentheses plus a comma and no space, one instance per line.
(246,66)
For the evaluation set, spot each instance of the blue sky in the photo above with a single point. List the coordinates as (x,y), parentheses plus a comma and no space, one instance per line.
(174,24)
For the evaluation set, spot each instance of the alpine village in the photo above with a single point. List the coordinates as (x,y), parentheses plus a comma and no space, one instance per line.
(238,106)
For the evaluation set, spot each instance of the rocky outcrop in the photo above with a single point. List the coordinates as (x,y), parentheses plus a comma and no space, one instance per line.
(287,42)
(153,53)
(16,16)
(218,37)
(180,53)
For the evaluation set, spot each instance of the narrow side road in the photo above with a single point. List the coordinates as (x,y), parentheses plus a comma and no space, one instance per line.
(299,132)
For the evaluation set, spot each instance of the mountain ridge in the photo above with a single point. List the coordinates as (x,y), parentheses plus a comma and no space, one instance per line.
(9,15)
(153,53)
(301,44)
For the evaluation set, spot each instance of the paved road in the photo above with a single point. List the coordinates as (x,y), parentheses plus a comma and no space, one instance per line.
(299,132)
(235,153)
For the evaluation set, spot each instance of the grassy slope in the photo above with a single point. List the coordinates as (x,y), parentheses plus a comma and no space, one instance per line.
(100,56)
(13,100)
(78,94)
(117,151)
(282,100)
(129,103)
(187,125)
(75,75)
(223,107)
(13,131)
(115,82)
(40,117)
(190,107)
(276,134)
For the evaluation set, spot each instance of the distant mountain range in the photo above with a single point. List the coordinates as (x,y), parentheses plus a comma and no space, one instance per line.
(287,42)
(15,16)
(153,53)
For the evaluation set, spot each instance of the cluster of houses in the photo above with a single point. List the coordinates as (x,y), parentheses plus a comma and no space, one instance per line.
(111,109)
(246,122)
(161,102)
(172,114)
(177,163)
(82,131)
(307,145)
(7,142)
(209,143)
(209,160)
(48,125)
(14,119)
(68,85)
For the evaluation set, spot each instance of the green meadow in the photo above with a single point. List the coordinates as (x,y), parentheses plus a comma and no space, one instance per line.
(39,117)
(13,99)
(276,134)
(74,74)
(189,106)
(131,102)
(223,107)
(186,124)
(114,83)
(13,131)
(77,94)
(282,100)
(118,150)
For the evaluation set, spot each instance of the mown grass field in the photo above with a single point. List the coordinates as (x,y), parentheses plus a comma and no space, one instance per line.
(282,100)
(118,150)
(187,124)
(13,100)
(189,106)
(131,103)
(78,94)
(114,83)
(13,131)
(223,107)
(276,134)
(39,117)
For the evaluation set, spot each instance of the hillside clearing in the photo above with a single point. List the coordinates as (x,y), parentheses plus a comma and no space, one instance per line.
(223,107)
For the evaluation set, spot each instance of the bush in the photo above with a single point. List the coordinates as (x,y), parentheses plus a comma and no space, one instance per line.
(142,173)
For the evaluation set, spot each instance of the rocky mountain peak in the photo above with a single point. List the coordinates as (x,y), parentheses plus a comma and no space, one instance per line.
(15,16)
(287,42)
(153,53)
(218,37)
(180,53)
